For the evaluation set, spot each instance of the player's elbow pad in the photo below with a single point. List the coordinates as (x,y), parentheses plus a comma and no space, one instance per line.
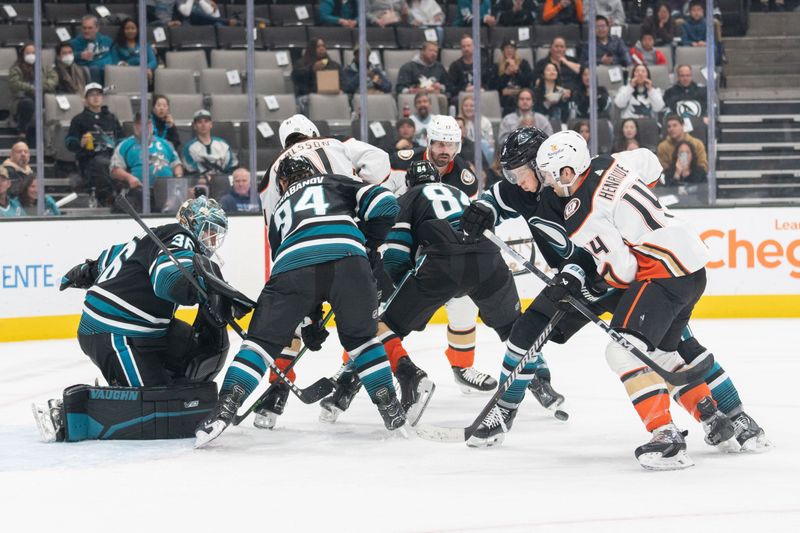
(376,229)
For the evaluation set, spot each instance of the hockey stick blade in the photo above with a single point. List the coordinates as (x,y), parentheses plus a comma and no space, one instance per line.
(447,434)
(313,391)
(696,373)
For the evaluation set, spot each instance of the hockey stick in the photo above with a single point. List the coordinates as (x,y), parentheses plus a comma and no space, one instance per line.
(447,434)
(675,378)
(256,404)
(311,394)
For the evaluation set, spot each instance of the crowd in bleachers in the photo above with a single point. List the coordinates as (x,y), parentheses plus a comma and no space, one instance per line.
(650,60)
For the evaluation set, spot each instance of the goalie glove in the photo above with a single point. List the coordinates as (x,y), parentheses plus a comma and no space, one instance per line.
(80,276)
(314,333)
(568,282)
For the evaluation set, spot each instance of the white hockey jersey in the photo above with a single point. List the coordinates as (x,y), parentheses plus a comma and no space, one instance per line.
(331,156)
(618,220)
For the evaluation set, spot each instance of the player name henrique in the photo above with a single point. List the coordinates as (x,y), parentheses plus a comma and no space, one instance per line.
(611,183)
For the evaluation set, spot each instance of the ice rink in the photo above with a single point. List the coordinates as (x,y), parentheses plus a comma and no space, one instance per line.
(578,476)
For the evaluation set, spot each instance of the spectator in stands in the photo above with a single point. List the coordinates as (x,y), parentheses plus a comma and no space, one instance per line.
(237,199)
(639,99)
(339,13)
(562,12)
(464,13)
(568,67)
(202,13)
(29,198)
(204,153)
(424,73)
(610,49)
(523,114)
(676,134)
(92,136)
(467,112)
(611,10)
(693,29)
(581,101)
(421,117)
(661,26)
(425,13)
(627,137)
(644,51)
(72,78)
(582,127)
(406,134)
(17,167)
(377,80)
(460,71)
(686,98)
(385,13)
(20,85)
(468,149)
(552,99)
(93,49)
(513,75)
(684,167)
(162,13)
(9,206)
(125,50)
(163,123)
(127,161)
(515,12)
(315,58)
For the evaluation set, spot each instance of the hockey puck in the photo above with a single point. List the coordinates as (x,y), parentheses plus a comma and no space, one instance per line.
(561,415)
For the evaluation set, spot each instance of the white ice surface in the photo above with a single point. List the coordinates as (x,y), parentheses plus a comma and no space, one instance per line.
(578,476)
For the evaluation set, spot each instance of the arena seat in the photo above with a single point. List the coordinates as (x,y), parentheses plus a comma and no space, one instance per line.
(174,81)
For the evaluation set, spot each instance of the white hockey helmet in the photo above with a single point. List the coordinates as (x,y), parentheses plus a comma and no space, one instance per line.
(561,150)
(445,128)
(296,124)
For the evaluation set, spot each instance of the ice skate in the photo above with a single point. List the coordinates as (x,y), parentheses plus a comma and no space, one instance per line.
(416,389)
(544,393)
(665,451)
(749,434)
(272,407)
(720,431)
(492,431)
(470,380)
(220,418)
(347,386)
(50,420)
(394,417)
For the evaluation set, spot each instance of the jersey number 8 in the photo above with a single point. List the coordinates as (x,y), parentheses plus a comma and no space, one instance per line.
(444,202)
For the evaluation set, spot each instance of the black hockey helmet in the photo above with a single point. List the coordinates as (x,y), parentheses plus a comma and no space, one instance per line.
(421,172)
(520,149)
(295,168)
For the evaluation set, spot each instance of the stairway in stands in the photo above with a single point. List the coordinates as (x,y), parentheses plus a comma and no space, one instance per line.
(758,150)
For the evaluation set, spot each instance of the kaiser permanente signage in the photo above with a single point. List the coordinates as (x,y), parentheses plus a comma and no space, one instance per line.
(754,269)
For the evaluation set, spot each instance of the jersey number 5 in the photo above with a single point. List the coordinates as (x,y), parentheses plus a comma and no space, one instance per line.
(444,202)
(312,199)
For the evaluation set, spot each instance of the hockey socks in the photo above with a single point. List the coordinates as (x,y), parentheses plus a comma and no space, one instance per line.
(460,347)
(246,370)
(285,358)
(391,344)
(516,392)
(722,388)
(372,367)
(649,396)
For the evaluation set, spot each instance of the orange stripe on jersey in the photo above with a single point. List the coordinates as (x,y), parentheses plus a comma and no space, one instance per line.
(611,278)
(668,256)
(650,268)
(633,305)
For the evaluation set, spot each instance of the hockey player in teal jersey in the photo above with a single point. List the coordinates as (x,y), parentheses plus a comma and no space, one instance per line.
(319,254)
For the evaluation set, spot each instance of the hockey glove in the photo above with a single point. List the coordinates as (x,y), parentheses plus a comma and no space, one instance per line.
(568,282)
(218,309)
(80,276)
(476,218)
(314,333)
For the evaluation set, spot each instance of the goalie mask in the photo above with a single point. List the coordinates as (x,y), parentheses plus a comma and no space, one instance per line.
(420,172)
(205,219)
(566,149)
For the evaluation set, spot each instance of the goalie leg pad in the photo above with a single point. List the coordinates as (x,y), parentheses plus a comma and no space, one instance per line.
(136,413)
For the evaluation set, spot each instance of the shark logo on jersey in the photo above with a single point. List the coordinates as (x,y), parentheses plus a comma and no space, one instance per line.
(571,208)
(555,234)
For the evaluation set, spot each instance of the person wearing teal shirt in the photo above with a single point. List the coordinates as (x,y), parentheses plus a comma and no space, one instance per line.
(126,163)
(28,198)
(125,50)
(9,207)
(464,13)
(92,49)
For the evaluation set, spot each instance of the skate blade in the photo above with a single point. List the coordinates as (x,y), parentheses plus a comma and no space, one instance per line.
(329,416)
(202,438)
(757,444)
(729,446)
(425,390)
(267,421)
(401,432)
(47,432)
(467,390)
(655,461)
(496,440)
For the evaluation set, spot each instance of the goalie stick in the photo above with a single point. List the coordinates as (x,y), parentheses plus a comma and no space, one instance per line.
(311,394)
(675,378)
(450,434)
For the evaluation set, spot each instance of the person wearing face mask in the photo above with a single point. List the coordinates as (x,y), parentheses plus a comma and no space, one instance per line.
(72,78)
(20,85)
